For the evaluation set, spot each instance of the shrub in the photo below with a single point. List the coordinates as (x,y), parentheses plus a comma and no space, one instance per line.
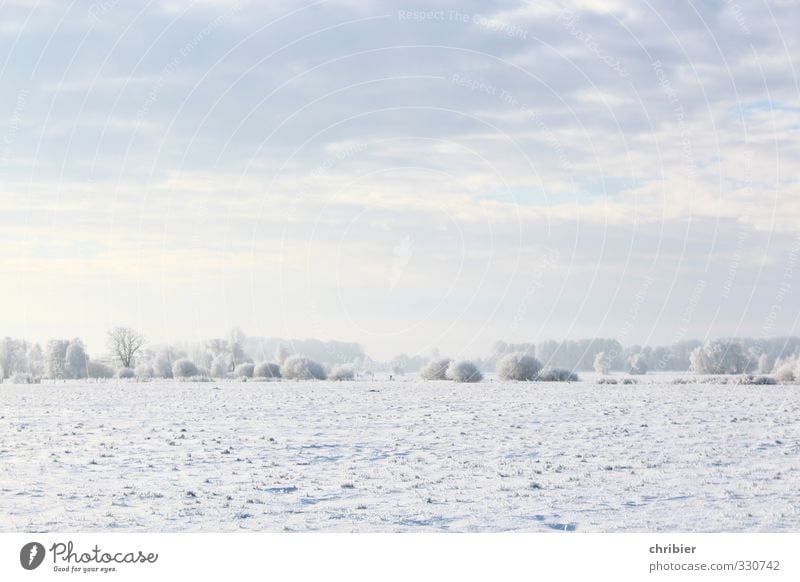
(164,363)
(144,371)
(519,366)
(788,370)
(464,371)
(748,380)
(719,357)
(267,370)
(219,367)
(22,378)
(97,370)
(340,373)
(302,368)
(125,373)
(184,368)
(436,369)
(244,370)
(637,365)
(557,375)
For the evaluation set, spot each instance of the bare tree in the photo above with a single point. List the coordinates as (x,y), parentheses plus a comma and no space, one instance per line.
(124,344)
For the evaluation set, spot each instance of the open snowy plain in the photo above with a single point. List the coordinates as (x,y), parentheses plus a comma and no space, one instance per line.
(399,456)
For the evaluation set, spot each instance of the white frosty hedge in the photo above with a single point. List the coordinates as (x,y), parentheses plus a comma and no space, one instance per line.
(719,357)
(267,370)
(557,375)
(340,373)
(244,370)
(519,366)
(464,371)
(302,368)
(184,368)
(436,369)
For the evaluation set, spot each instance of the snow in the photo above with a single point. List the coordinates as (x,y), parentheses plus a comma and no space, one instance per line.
(398,456)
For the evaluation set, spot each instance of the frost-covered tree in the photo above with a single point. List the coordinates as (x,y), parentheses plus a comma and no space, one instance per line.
(97,370)
(302,368)
(518,366)
(557,375)
(436,369)
(55,359)
(267,370)
(124,343)
(719,357)
(764,365)
(282,353)
(787,369)
(35,361)
(184,368)
(75,360)
(126,373)
(602,363)
(637,364)
(244,370)
(342,372)
(163,361)
(13,358)
(464,371)
(220,367)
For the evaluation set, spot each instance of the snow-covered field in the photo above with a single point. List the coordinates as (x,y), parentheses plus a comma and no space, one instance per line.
(399,456)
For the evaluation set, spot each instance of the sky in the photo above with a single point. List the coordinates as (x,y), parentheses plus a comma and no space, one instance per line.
(407,175)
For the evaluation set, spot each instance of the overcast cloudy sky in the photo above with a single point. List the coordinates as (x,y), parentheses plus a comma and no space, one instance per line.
(402,174)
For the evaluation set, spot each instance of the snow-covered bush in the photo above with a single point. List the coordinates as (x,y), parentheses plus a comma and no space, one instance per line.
(788,370)
(749,380)
(719,357)
(464,371)
(785,369)
(125,373)
(637,364)
(219,367)
(267,370)
(302,368)
(184,368)
(436,369)
(144,371)
(557,375)
(602,363)
(164,363)
(244,370)
(519,366)
(341,373)
(282,353)
(98,370)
